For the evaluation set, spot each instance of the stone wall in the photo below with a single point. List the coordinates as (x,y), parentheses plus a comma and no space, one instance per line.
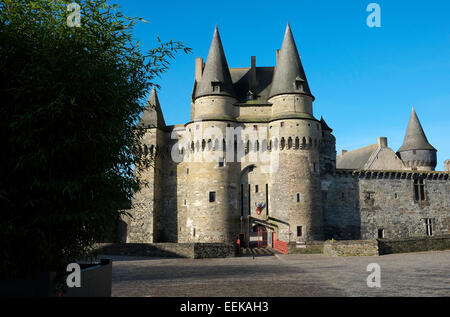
(387,246)
(351,248)
(179,250)
(309,247)
(359,204)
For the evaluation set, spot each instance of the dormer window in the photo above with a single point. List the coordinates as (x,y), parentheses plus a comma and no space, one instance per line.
(216,86)
(250,95)
(299,83)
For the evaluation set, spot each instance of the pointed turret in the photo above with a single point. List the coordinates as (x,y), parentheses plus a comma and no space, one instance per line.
(216,78)
(152,116)
(415,151)
(289,75)
(415,138)
(324,125)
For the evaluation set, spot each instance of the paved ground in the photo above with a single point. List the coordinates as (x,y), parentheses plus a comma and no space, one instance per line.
(411,274)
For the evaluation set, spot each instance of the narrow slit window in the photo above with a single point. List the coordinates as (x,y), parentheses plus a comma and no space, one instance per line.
(298,197)
(429,227)
(299,231)
(212,197)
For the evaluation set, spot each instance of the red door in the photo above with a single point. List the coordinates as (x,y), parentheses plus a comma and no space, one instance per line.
(262,237)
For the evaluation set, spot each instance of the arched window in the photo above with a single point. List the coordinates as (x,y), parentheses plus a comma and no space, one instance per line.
(282,143)
(289,143)
(209,145)
(264,145)
(297,143)
(216,144)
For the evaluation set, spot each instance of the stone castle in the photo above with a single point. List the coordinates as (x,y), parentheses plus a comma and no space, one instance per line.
(274,170)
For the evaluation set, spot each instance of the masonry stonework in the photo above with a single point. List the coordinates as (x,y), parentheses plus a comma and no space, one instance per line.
(255,163)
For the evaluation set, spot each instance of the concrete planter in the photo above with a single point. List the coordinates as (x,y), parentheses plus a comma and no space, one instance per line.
(96,281)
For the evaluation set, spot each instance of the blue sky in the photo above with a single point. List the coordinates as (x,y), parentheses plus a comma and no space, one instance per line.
(365,80)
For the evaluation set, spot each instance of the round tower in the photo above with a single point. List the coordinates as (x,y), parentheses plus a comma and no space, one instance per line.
(212,193)
(296,137)
(213,93)
(415,152)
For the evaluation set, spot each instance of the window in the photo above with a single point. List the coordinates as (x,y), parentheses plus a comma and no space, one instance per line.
(419,189)
(256,188)
(212,197)
(380,233)
(187,171)
(299,231)
(242,200)
(282,124)
(429,227)
(255,127)
(395,195)
(216,86)
(220,163)
(298,197)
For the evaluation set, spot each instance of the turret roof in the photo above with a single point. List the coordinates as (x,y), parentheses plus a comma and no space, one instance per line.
(216,70)
(325,126)
(289,68)
(415,138)
(152,116)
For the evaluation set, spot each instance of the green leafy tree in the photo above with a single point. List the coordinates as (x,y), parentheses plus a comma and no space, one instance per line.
(70,100)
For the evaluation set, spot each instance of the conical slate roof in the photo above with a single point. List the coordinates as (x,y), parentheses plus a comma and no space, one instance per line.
(152,116)
(289,68)
(325,126)
(415,138)
(216,70)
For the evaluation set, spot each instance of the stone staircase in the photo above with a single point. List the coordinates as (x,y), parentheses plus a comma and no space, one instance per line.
(255,252)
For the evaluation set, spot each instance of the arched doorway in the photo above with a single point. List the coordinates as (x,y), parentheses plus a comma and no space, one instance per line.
(258,236)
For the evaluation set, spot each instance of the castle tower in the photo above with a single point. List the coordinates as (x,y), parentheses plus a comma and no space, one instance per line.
(327,149)
(416,152)
(296,135)
(213,89)
(212,213)
(146,224)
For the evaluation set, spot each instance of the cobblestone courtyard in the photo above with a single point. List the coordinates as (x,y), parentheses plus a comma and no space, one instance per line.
(411,274)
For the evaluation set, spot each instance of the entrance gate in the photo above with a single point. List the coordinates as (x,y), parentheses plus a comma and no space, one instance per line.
(262,237)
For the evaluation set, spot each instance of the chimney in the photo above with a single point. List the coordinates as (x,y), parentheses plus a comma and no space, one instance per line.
(198,69)
(343,152)
(382,142)
(253,75)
